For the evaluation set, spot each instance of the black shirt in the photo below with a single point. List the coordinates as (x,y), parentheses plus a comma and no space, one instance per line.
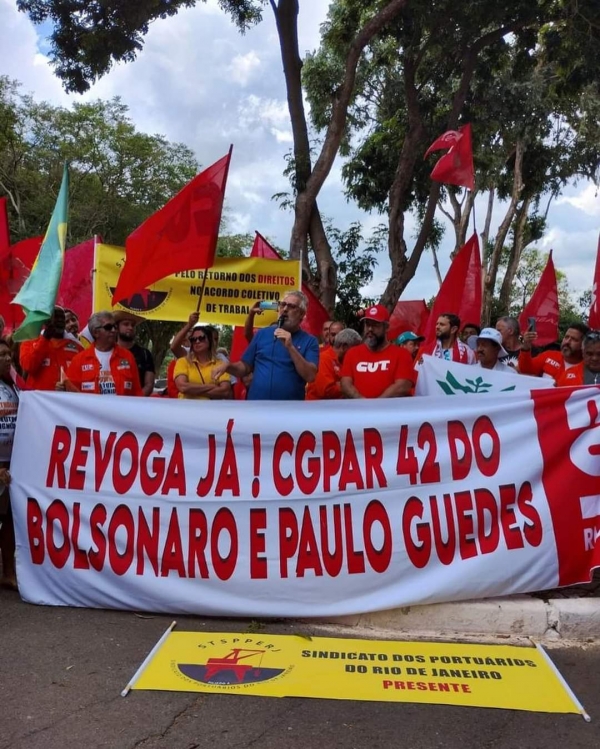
(144,360)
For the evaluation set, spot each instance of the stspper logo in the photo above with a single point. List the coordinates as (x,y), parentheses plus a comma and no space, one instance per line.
(229,666)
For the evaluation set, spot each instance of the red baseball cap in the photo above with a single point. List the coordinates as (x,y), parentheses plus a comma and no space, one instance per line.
(377,313)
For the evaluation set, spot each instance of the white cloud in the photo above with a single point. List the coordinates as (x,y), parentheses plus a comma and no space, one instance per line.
(283,136)
(21,59)
(243,68)
(587,200)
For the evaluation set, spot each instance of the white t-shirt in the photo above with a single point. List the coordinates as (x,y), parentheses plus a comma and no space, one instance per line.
(106,382)
(9,403)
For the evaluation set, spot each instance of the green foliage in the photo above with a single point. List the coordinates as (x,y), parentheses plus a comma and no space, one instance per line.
(119,176)
(234,245)
(538,86)
(584,303)
(88,36)
(356,258)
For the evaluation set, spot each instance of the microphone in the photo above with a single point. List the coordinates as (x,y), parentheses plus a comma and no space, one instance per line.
(280,321)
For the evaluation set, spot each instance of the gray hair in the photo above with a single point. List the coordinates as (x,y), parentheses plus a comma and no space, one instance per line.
(96,319)
(347,337)
(512,323)
(300,296)
(591,337)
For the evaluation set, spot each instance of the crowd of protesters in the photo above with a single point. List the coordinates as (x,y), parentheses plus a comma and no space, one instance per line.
(281,362)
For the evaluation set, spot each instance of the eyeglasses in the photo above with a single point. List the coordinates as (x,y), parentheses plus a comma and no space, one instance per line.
(282,305)
(198,339)
(110,326)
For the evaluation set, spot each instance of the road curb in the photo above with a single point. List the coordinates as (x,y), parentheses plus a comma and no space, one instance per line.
(514,616)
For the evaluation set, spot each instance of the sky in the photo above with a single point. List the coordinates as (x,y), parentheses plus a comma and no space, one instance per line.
(200,82)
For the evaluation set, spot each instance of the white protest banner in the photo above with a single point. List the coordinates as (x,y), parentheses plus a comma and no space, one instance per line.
(440,377)
(290,509)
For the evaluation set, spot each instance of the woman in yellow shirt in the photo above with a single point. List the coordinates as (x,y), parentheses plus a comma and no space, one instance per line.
(193,373)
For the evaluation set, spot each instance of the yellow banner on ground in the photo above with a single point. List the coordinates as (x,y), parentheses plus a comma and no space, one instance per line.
(516,678)
(233,286)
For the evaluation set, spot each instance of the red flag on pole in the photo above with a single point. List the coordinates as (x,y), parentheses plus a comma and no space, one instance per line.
(75,290)
(316,315)
(594,321)
(543,305)
(460,292)
(261,248)
(180,236)
(409,315)
(456,166)
(15,265)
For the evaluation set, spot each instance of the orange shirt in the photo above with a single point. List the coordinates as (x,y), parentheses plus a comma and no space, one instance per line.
(373,372)
(44,358)
(84,372)
(326,384)
(571,377)
(549,363)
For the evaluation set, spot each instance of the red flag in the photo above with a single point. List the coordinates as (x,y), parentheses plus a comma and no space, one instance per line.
(316,315)
(405,316)
(180,236)
(15,265)
(75,290)
(456,166)
(261,248)
(543,305)
(460,292)
(594,321)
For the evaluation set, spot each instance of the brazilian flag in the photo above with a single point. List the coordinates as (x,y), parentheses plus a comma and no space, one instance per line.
(37,296)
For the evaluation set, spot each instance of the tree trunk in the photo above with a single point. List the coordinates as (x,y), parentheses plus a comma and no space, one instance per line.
(485,234)
(286,18)
(516,251)
(306,199)
(494,262)
(403,268)
(463,226)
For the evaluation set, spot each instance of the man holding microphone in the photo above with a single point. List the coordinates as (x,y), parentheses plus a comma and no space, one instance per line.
(282,359)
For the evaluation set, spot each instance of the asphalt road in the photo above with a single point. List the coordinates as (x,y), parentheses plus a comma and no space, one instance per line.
(62,671)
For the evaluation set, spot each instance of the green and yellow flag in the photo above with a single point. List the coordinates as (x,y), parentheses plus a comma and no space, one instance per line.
(37,296)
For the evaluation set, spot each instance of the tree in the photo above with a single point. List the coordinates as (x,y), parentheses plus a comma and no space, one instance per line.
(118,175)
(434,64)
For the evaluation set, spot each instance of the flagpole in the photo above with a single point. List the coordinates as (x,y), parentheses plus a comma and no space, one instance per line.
(94,271)
(202,290)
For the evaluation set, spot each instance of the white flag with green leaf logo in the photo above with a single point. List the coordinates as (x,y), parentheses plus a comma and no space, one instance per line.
(441,377)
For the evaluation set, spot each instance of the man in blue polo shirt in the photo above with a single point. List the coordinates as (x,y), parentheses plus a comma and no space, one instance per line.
(282,359)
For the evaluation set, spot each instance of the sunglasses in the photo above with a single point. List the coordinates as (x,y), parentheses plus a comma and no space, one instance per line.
(109,327)
(198,339)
